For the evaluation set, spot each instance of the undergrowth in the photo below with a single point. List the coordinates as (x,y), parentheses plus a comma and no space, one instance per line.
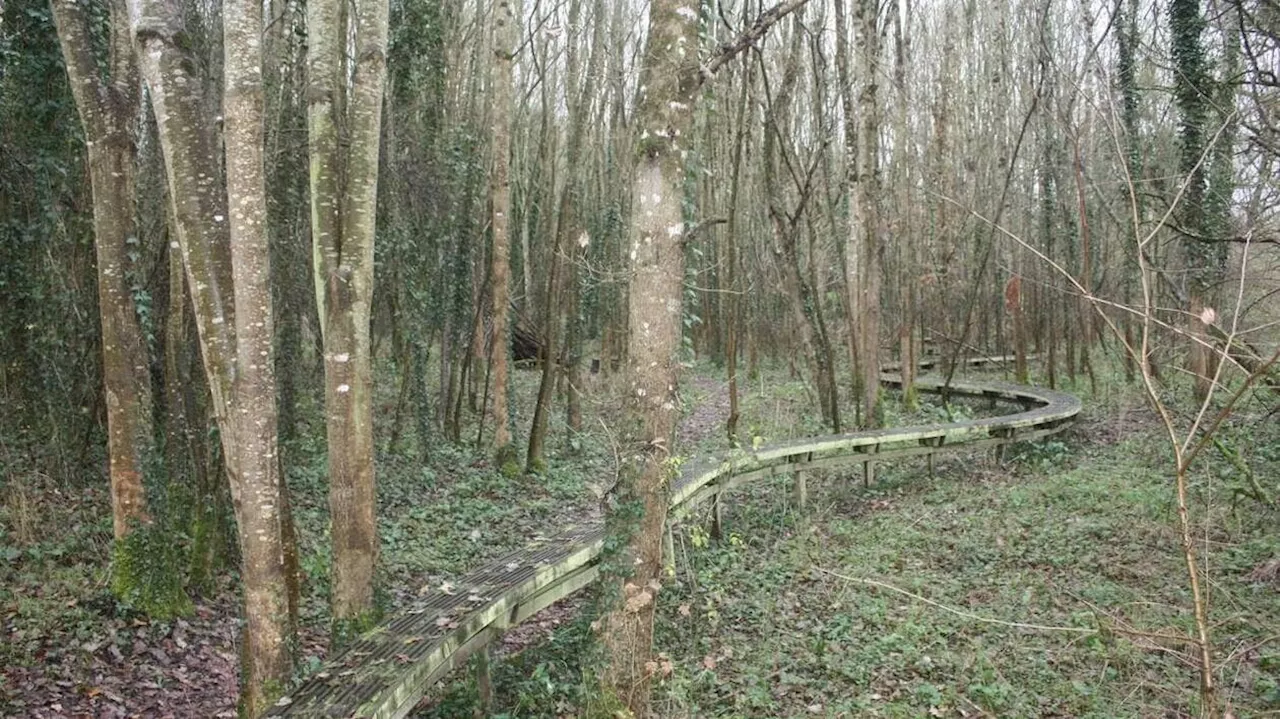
(1051,584)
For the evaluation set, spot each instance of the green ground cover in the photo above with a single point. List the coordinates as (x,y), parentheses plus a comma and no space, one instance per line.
(1050,585)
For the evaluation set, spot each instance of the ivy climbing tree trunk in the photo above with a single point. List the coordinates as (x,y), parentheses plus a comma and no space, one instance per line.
(231,298)
(1204,259)
(344,114)
(107,98)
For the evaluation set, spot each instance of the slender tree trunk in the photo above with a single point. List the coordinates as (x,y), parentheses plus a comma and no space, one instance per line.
(504,33)
(558,223)
(109,110)
(257,494)
(805,309)
(665,113)
(731,256)
(865,201)
(230,289)
(636,512)
(343,131)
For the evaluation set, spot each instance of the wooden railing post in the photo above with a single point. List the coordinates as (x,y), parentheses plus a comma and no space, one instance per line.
(717,516)
(669,548)
(799,487)
(484,684)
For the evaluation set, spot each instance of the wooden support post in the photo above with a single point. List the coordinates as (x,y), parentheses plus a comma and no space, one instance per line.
(868,473)
(800,492)
(1000,453)
(484,684)
(717,517)
(669,548)
(930,455)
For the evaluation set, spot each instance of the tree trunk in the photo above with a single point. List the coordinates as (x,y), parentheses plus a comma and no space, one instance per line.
(731,257)
(504,31)
(343,133)
(109,111)
(231,298)
(804,301)
(637,508)
(636,518)
(256,491)
(865,201)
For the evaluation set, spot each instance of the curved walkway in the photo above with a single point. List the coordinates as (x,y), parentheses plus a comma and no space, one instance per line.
(386,672)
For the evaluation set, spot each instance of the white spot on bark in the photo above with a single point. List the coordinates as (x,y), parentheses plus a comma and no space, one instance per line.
(218,218)
(687,13)
(675,230)
(341,357)
(584,239)
(342,388)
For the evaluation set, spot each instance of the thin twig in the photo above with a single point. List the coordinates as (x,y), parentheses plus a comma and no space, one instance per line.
(959,612)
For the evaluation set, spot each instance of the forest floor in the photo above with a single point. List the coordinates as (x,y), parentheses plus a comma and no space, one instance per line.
(777,620)
(1051,584)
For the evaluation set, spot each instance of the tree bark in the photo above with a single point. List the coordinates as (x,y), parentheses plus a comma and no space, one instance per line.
(256,491)
(233,320)
(865,199)
(343,132)
(504,42)
(664,116)
(636,508)
(109,110)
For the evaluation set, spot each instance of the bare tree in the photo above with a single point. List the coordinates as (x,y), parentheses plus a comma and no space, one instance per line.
(107,97)
(231,297)
(344,115)
(504,42)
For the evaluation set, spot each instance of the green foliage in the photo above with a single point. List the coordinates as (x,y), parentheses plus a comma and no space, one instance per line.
(147,573)
(48,329)
(342,631)
(1041,456)
(549,679)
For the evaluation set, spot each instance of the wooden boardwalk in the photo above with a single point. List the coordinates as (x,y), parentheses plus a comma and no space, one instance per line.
(384,674)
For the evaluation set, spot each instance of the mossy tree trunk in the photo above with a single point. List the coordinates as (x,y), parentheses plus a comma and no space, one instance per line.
(344,114)
(230,290)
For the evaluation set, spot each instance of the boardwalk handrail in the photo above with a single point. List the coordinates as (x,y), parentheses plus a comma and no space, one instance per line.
(383,674)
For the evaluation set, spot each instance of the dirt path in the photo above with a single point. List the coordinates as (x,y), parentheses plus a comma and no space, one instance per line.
(710,398)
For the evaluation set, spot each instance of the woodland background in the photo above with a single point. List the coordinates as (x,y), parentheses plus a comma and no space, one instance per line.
(1089,186)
